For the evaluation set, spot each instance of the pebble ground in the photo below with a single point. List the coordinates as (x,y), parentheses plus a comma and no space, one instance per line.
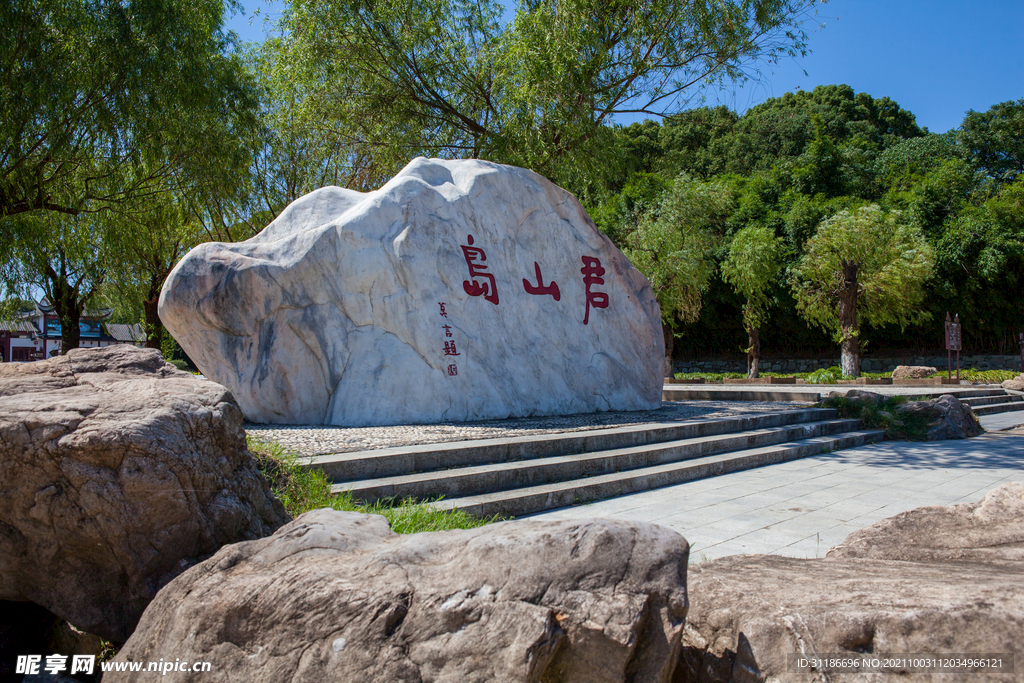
(323,439)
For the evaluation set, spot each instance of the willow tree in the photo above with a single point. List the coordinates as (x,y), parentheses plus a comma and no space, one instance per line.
(101,100)
(752,266)
(673,244)
(867,266)
(450,78)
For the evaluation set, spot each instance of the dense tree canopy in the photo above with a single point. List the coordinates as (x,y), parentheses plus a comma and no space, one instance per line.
(794,162)
(445,77)
(99,100)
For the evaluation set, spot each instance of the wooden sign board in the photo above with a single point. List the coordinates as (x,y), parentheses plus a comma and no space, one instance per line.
(952,336)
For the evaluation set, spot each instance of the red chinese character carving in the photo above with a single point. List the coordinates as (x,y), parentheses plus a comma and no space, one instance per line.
(474,288)
(592,272)
(449,349)
(447,330)
(551,289)
(452,370)
(443,313)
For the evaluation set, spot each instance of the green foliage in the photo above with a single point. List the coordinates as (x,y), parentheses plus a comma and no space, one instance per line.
(179,363)
(987,376)
(446,77)
(101,99)
(672,245)
(995,140)
(302,489)
(709,376)
(898,425)
(894,263)
(752,267)
(826,376)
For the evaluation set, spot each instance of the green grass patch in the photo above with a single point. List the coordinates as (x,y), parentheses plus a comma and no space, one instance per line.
(988,376)
(898,426)
(709,376)
(302,489)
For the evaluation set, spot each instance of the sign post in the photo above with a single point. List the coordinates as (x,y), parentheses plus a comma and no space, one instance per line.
(1022,353)
(953,344)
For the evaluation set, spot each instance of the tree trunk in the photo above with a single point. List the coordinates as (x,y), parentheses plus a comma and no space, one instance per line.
(69,311)
(154,328)
(753,352)
(850,349)
(666,330)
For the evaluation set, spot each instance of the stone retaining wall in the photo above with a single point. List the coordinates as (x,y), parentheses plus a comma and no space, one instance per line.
(867,364)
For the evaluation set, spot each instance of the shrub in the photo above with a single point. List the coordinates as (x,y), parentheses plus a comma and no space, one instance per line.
(302,489)
(898,426)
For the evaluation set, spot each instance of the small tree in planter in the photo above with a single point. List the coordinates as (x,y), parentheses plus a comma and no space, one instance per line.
(752,265)
(865,265)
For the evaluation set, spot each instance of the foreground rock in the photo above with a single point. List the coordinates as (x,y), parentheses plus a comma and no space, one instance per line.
(461,290)
(337,596)
(1015,384)
(117,473)
(990,530)
(947,416)
(913,372)
(934,580)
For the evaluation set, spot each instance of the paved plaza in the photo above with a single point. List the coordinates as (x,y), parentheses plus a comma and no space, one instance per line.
(804,507)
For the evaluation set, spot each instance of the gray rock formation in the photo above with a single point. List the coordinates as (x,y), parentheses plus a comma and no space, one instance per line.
(117,473)
(338,596)
(947,417)
(461,290)
(913,372)
(934,580)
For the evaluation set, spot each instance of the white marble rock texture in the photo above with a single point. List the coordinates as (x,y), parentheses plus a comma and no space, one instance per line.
(333,313)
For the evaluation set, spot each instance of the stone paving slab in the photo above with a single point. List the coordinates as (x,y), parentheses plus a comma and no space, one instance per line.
(324,439)
(1002,421)
(804,507)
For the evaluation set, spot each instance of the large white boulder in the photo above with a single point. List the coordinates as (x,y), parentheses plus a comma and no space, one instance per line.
(458,291)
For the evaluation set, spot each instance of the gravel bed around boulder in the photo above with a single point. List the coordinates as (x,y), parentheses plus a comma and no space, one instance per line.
(319,440)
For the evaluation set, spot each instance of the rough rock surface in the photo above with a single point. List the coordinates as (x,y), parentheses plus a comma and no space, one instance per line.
(913,371)
(860,396)
(986,531)
(117,473)
(461,290)
(1015,384)
(897,587)
(948,417)
(337,596)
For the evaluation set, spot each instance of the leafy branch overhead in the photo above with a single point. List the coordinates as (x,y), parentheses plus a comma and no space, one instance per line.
(447,78)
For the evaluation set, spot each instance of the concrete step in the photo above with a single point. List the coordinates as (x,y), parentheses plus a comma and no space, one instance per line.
(675,393)
(527,500)
(390,462)
(990,400)
(499,476)
(971,393)
(994,408)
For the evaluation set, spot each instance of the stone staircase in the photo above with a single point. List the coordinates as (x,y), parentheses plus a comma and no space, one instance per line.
(522,475)
(992,401)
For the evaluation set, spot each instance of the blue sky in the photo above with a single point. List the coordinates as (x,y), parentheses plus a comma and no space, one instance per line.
(937,58)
